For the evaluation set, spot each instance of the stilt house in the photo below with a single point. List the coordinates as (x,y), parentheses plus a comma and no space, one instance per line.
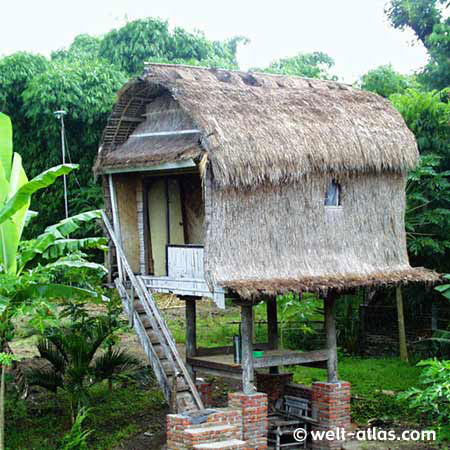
(223,183)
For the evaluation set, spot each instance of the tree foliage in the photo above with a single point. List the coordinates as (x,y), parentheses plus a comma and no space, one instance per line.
(310,65)
(432,397)
(427,20)
(151,40)
(427,114)
(385,81)
(86,89)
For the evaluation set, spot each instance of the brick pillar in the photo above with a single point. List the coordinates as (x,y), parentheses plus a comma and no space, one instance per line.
(175,426)
(205,391)
(273,385)
(254,418)
(331,404)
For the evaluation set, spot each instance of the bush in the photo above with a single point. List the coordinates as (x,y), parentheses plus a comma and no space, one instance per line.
(432,400)
(76,438)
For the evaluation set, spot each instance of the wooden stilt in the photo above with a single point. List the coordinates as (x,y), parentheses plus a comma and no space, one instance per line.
(247,348)
(272,327)
(330,328)
(191,332)
(401,325)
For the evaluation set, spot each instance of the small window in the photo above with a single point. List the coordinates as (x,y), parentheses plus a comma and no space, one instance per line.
(333,194)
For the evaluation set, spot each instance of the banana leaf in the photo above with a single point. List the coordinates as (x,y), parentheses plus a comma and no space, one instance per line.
(23,195)
(63,228)
(6,145)
(55,291)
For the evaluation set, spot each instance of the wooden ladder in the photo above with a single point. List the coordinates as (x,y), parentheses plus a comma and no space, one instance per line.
(154,335)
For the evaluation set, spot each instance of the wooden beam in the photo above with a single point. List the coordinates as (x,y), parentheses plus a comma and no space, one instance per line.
(225,363)
(226,350)
(247,349)
(330,329)
(166,133)
(291,358)
(191,332)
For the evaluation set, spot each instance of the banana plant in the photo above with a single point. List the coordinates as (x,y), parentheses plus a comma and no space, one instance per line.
(15,195)
(24,279)
(55,243)
(26,283)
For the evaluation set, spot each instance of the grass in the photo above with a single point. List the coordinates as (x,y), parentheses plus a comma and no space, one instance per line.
(366,375)
(130,410)
(374,384)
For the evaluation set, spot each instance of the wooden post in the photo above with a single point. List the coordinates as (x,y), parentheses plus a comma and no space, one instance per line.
(434,316)
(401,325)
(247,348)
(116,223)
(330,328)
(272,327)
(191,332)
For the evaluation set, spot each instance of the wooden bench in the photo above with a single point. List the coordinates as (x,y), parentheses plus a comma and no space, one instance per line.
(291,413)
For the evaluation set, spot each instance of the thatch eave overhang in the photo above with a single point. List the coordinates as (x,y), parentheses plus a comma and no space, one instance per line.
(321,285)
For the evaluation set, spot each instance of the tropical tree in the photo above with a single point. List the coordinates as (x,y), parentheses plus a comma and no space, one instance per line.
(310,65)
(426,18)
(6,360)
(150,39)
(427,114)
(385,81)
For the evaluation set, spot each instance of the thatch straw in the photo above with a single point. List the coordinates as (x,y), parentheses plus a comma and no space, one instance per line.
(258,238)
(264,128)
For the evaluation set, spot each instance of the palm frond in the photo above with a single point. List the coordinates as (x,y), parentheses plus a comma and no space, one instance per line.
(53,353)
(46,378)
(113,362)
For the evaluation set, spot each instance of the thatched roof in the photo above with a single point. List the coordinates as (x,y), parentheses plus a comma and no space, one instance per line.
(256,128)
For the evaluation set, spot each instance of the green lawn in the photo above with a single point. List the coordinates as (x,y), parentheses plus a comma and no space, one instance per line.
(366,375)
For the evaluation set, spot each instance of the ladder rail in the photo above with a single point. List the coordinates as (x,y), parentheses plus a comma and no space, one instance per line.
(141,295)
(148,346)
(153,313)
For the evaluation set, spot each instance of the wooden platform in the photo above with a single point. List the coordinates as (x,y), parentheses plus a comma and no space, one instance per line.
(223,364)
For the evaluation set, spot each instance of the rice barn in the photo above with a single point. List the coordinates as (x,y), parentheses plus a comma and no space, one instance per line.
(226,184)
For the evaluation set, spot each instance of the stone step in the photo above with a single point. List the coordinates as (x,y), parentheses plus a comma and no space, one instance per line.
(211,434)
(221,445)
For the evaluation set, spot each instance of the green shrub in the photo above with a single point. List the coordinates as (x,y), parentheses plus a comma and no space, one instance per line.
(76,438)
(432,399)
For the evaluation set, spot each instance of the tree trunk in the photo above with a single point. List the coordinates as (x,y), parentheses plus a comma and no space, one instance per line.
(2,409)
(401,325)
(18,373)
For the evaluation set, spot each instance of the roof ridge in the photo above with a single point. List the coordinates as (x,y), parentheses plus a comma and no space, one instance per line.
(147,64)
